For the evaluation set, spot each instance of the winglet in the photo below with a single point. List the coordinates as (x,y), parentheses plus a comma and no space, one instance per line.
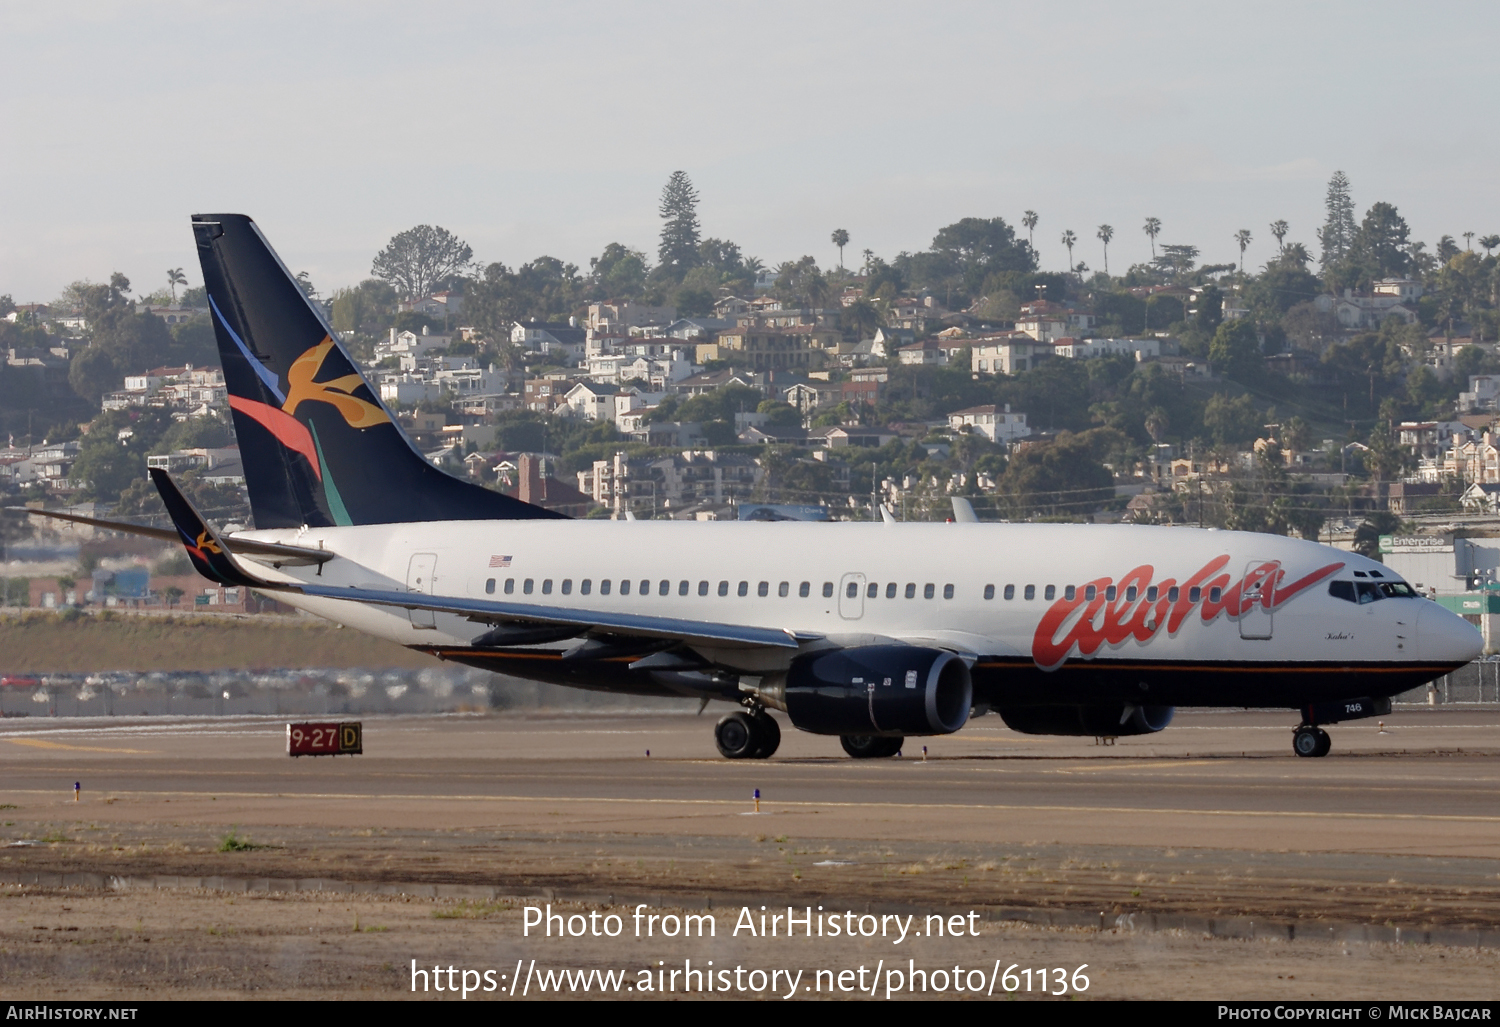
(204,548)
(963,511)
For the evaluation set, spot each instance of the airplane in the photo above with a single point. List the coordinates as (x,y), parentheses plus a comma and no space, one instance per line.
(872,632)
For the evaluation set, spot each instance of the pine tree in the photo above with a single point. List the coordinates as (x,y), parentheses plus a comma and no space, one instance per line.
(1337,232)
(679,231)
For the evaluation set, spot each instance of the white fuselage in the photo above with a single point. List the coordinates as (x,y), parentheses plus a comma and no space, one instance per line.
(996,590)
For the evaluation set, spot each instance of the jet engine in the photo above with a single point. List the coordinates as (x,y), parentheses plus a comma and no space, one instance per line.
(881,690)
(1107,719)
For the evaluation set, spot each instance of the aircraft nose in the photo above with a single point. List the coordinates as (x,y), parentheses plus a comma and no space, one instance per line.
(1444,637)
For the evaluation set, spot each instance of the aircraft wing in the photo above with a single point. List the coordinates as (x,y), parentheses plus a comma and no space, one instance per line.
(271,552)
(217,561)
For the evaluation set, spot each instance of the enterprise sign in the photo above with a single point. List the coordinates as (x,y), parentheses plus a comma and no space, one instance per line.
(1415,544)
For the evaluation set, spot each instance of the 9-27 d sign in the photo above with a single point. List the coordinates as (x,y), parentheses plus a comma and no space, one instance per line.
(325,739)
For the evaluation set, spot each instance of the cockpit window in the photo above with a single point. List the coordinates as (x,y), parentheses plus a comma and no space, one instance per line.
(1342,590)
(1398,590)
(1368,592)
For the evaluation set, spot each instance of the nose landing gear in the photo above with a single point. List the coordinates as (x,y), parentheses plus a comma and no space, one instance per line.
(1310,740)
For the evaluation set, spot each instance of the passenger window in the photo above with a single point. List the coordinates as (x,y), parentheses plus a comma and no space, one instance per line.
(526,586)
(585,586)
(784,589)
(890,590)
(1010,591)
(1151,594)
(567,586)
(1194,594)
(510,586)
(1049,593)
(1368,592)
(853,589)
(1342,590)
(1030,592)
(989,591)
(1215,594)
(645,588)
(1090,592)
(1131,593)
(624,586)
(744,588)
(664,587)
(1110,593)
(723,588)
(804,589)
(872,591)
(604,587)
(703,588)
(948,591)
(1174,594)
(546,586)
(763,589)
(489,587)
(911,590)
(1070,592)
(928,590)
(827,590)
(682,588)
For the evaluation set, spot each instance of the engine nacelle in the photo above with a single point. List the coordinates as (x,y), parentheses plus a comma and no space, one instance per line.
(1104,720)
(890,690)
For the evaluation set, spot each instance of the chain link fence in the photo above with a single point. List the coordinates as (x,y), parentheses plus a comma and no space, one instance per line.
(1477,682)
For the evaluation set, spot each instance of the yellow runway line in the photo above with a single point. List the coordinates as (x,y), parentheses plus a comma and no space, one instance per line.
(42,743)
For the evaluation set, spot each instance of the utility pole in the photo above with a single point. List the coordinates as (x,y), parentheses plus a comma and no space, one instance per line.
(874,510)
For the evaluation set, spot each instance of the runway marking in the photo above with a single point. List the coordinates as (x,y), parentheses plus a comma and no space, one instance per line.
(618,801)
(1158,765)
(40,743)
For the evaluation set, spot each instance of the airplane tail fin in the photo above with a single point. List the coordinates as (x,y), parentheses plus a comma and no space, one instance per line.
(319,448)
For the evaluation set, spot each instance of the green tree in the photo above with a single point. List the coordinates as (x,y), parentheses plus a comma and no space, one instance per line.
(416,260)
(1152,228)
(1068,239)
(175,277)
(1231,421)
(1029,220)
(618,273)
(1242,237)
(1065,476)
(1337,233)
(1279,229)
(1235,350)
(860,319)
(1105,234)
(840,239)
(678,249)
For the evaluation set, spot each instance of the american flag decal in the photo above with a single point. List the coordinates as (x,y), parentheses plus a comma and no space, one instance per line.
(499,561)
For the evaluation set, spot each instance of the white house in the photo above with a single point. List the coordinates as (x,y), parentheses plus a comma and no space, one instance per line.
(589,400)
(408,343)
(992,422)
(1483,394)
(1006,353)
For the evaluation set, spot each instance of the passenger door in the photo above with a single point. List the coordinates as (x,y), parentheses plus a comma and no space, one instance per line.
(852,597)
(419,578)
(1258,598)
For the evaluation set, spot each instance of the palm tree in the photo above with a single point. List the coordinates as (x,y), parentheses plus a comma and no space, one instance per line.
(1068,239)
(1469,241)
(1029,219)
(1153,229)
(1243,238)
(1489,242)
(1106,233)
(840,239)
(1279,229)
(175,277)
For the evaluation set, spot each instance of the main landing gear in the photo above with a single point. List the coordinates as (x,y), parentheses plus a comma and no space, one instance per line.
(871,747)
(1311,741)
(752,734)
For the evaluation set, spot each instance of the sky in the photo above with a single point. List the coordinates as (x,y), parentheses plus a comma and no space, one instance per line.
(550,128)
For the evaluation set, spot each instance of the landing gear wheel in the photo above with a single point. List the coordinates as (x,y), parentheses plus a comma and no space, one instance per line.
(736,736)
(767,735)
(871,747)
(1311,741)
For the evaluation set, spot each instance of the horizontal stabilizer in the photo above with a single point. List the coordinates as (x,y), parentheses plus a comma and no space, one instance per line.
(270,552)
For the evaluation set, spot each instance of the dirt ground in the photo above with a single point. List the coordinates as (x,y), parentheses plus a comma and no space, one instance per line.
(66,944)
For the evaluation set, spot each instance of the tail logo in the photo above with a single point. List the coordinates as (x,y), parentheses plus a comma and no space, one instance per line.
(337,392)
